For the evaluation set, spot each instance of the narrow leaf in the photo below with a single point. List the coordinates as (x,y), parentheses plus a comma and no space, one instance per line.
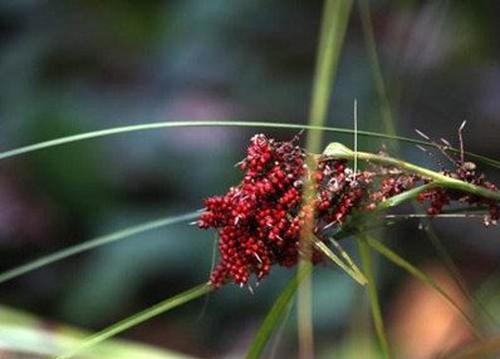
(417,273)
(274,316)
(376,70)
(336,15)
(138,318)
(366,259)
(253,124)
(334,22)
(353,271)
(93,243)
(403,197)
(454,271)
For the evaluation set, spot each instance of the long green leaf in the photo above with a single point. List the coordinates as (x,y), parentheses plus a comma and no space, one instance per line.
(376,70)
(366,259)
(454,271)
(23,335)
(333,28)
(93,243)
(417,273)
(339,151)
(274,316)
(352,270)
(280,332)
(253,124)
(138,318)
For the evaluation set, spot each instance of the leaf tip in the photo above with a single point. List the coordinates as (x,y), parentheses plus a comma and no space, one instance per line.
(338,150)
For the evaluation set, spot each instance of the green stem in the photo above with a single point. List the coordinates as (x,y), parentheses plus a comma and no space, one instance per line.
(351,269)
(414,271)
(93,243)
(221,123)
(339,151)
(275,315)
(378,79)
(333,27)
(366,259)
(403,197)
(139,318)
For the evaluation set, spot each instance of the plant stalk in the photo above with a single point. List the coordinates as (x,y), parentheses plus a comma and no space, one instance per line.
(339,151)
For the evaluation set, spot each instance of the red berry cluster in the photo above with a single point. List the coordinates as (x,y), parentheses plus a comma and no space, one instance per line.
(260,220)
(392,183)
(440,197)
(339,191)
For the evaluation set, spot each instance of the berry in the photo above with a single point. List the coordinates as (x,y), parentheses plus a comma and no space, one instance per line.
(259,221)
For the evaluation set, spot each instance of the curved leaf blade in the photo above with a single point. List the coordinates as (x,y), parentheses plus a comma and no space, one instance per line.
(93,243)
(178,124)
(417,273)
(351,269)
(138,318)
(275,315)
(366,259)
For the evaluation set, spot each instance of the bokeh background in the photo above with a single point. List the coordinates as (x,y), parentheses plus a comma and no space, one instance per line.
(73,66)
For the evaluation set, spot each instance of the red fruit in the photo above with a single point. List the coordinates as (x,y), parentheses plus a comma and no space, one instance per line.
(260,220)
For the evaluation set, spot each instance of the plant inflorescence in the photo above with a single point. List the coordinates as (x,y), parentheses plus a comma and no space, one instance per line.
(259,221)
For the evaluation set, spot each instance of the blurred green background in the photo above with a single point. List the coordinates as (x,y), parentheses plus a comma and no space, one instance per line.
(73,66)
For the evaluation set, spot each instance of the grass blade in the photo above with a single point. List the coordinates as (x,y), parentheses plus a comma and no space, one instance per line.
(454,272)
(305,328)
(388,121)
(274,316)
(250,124)
(352,270)
(333,27)
(366,259)
(94,243)
(23,335)
(403,197)
(138,318)
(376,70)
(279,332)
(417,273)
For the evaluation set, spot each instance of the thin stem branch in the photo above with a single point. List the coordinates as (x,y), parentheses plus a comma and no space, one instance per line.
(93,243)
(138,318)
(339,151)
(366,259)
(414,271)
(442,215)
(378,79)
(333,27)
(222,123)
(350,268)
